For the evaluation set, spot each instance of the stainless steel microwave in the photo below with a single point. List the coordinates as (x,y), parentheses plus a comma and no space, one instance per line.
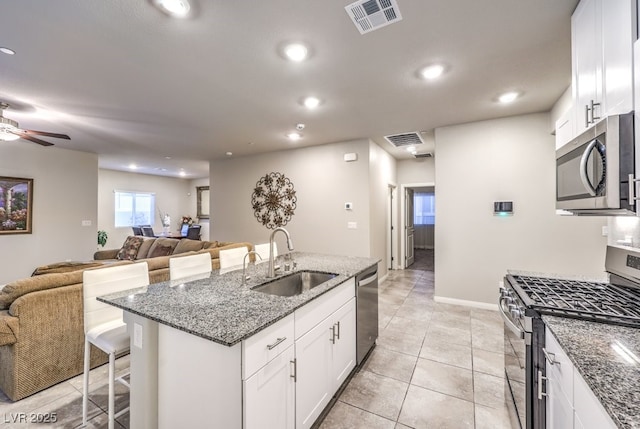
(595,171)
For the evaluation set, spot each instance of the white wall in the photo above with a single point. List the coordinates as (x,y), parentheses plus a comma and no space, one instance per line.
(172,197)
(64,192)
(323,182)
(509,159)
(417,170)
(382,173)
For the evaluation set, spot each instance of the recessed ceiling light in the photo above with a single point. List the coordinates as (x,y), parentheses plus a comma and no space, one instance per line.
(294,136)
(296,52)
(182,173)
(508,97)
(229,153)
(167,157)
(7,51)
(133,166)
(177,8)
(411,149)
(432,72)
(311,102)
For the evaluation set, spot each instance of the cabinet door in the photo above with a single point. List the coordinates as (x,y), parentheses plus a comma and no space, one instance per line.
(589,411)
(617,56)
(586,61)
(344,349)
(559,407)
(269,394)
(314,381)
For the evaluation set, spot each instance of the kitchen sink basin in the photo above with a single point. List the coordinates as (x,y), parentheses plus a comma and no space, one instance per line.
(294,284)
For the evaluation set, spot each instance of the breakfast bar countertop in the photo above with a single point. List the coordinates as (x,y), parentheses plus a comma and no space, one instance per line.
(613,376)
(218,308)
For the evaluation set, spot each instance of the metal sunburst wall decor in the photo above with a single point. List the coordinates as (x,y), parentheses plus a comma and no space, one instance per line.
(274,200)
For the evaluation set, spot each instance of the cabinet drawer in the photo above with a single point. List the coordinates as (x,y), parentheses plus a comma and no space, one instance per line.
(562,370)
(319,309)
(259,349)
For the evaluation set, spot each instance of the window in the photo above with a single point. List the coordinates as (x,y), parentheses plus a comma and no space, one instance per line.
(424,208)
(134,208)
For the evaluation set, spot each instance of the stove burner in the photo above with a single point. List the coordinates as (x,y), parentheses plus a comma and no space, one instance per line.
(600,302)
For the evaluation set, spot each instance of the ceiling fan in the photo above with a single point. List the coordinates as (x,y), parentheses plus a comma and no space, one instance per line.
(9,131)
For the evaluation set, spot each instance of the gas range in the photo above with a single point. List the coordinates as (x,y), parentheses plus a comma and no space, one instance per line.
(525,298)
(594,301)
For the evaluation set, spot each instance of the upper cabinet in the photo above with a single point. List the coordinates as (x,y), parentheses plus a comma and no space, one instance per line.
(602,35)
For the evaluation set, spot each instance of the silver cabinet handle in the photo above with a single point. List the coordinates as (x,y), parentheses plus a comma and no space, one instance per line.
(295,370)
(333,334)
(586,116)
(550,357)
(338,334)
(274,345)
(540,378)
(594,118)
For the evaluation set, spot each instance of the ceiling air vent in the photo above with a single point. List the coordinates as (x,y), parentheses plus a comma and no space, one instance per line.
(406,139)
(423,155)
(369,15)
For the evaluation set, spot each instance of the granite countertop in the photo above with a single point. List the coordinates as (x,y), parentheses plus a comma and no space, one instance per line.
(602,278)
(614,380)
(217,307)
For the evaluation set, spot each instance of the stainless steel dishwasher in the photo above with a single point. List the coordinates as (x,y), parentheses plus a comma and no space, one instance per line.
(367,311)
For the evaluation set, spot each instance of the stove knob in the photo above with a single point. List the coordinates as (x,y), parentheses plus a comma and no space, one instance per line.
(515,311)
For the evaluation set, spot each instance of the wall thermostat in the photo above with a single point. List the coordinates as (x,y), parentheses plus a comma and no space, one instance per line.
(503,208)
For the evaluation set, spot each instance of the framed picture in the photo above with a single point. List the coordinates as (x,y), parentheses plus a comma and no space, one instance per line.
(203,202)
(16,205)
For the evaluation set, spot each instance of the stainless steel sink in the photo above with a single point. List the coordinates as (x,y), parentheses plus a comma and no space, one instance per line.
(294,284)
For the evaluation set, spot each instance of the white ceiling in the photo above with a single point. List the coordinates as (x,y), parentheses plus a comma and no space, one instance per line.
(135,86)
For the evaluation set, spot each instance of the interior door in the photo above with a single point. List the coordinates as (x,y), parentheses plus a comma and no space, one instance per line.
(409,229)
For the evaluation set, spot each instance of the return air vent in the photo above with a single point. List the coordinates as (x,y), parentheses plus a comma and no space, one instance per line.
(369,15)
(406,139)
(423,155)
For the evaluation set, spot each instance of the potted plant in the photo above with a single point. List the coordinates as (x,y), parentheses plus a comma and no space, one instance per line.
(102,237)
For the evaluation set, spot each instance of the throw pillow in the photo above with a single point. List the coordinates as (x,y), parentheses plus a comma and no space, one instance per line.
(129,249)
(160,250)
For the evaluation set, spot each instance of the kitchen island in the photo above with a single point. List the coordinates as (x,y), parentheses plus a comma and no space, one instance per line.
(212,352)
(607,359)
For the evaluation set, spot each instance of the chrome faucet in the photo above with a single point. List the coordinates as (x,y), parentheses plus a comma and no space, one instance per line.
(244,265)
(272,270)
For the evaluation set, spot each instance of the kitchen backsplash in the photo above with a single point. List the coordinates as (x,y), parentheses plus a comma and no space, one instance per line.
(624,230)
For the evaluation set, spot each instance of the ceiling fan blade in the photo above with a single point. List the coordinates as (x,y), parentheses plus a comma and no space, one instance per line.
(31,138)
(44,133)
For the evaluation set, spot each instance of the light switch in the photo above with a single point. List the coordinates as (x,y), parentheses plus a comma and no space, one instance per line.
(605,231)
(86,223)
(137,335)
(352,225)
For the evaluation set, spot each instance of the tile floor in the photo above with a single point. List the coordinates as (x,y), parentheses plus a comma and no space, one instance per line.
(435,366)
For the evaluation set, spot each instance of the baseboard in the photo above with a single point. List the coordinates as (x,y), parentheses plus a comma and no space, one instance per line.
(475,304)
(383,278)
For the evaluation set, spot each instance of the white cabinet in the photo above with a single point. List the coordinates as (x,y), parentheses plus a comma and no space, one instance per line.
(589,412)
(269,394)
(559,384)
(344,348)
(564,129)
(324,358)
(570,402)
(602,60)
(313,369)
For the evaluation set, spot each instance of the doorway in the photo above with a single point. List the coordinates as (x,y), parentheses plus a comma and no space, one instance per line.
(417,245)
